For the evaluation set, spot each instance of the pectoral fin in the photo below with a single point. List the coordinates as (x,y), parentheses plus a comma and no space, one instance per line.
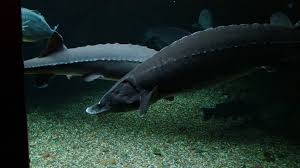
(69,76)
(92,77)
(145,99)
(41,81)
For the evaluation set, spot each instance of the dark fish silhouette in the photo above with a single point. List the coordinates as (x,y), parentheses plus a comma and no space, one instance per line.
(200,60)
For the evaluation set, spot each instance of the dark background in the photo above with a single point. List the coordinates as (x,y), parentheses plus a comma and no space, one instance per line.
(125,21)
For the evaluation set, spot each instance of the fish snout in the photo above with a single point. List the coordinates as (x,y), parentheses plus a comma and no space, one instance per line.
(97,108)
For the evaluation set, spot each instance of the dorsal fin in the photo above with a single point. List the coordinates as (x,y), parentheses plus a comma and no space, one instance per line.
(55,43)
(280,19)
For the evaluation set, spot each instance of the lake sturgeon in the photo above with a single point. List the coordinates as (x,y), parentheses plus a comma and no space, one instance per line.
(199,60)
(104,61)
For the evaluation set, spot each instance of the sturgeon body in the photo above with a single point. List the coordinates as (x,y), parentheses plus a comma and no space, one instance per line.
(199,60)
(106,61)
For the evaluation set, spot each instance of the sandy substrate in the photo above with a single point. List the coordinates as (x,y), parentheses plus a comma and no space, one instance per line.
(172,135)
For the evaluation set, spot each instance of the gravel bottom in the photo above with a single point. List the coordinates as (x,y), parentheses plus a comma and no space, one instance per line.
(171,135)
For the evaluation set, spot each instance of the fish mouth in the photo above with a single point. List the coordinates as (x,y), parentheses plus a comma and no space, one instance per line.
(96,109)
